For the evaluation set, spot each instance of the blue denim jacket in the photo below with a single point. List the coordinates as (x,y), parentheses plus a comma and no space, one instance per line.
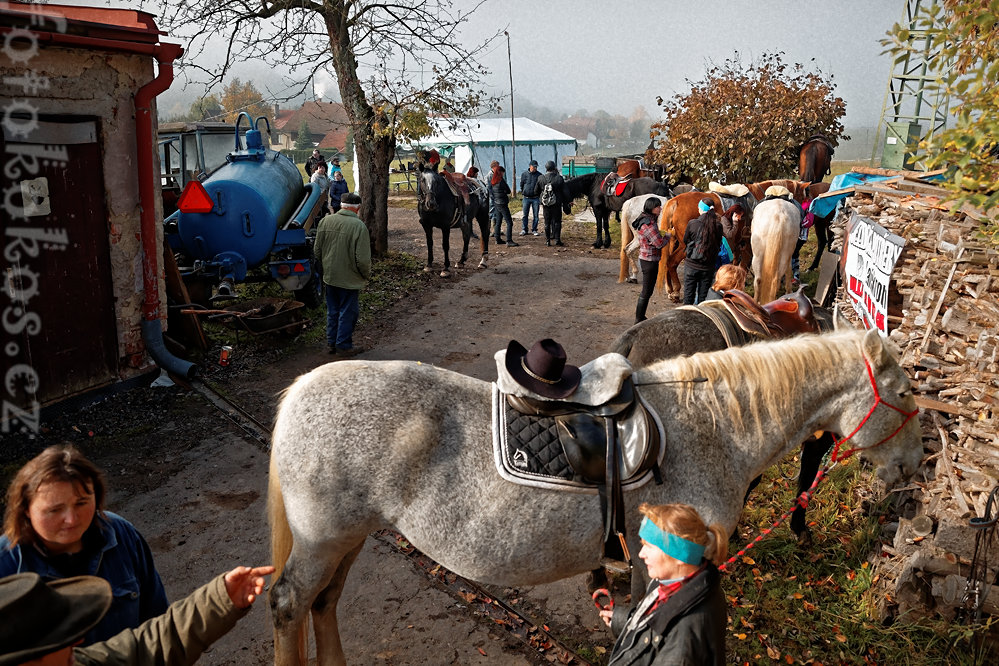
(120,556)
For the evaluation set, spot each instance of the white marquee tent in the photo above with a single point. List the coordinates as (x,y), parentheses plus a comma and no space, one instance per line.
(480,141)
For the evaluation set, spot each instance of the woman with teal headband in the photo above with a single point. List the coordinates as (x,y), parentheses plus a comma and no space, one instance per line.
(682,618)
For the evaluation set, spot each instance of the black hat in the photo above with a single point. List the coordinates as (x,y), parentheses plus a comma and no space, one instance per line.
(38,618)
(543,369)
(533,163)
(336,160)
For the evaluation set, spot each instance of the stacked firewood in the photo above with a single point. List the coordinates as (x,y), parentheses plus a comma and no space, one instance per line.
(944,318)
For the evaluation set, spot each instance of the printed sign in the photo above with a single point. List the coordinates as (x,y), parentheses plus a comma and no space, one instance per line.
(870,258)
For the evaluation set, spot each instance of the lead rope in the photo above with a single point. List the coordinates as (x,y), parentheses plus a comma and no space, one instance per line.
(801,500)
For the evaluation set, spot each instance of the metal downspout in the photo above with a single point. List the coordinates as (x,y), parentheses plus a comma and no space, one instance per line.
(152,331)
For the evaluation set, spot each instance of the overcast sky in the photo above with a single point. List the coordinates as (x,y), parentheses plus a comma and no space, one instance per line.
(618,55)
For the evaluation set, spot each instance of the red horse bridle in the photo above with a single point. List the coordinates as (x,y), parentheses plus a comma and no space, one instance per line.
(836,455)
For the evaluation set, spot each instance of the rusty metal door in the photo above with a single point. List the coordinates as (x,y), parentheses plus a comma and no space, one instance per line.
(58,332)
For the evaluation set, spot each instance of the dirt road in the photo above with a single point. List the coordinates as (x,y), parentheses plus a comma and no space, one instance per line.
(195,486)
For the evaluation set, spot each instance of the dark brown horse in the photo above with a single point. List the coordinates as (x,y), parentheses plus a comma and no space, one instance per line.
(814,159)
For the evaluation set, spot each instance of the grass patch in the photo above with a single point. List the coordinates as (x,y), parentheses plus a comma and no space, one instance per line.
(818,605)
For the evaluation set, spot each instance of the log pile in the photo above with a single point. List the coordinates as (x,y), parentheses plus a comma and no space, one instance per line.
(945,321)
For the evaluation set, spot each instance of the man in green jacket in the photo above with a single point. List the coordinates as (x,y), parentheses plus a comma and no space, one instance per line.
(343,250)
(40,623)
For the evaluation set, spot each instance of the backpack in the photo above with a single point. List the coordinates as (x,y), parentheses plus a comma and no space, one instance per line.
(548,197)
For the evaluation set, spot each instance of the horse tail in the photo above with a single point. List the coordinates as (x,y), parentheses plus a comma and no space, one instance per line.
(770,272)
(666,224)
(281,543)
(626,237)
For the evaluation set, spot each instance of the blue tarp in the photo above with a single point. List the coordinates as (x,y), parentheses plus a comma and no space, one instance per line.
(822,207)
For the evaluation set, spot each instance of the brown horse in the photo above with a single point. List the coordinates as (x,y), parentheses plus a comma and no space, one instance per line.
(814,159)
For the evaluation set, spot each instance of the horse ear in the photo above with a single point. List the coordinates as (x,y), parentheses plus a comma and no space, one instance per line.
(839,321)
(874,349)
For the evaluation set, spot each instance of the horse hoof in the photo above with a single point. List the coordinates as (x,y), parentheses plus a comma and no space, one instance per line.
(482,264)
(607,243)
(596,579)
(805,539)
(632,280)
(598,245)
(427,269)
(445,274)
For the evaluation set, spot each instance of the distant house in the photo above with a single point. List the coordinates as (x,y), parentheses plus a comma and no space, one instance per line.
(328,125)
(579,128)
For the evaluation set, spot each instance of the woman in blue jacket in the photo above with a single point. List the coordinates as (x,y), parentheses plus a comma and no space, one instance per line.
(55,525)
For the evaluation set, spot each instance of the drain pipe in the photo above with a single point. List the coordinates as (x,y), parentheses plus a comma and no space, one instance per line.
(152,331)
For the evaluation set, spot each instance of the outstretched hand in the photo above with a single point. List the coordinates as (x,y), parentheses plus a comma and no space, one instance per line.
(244,584)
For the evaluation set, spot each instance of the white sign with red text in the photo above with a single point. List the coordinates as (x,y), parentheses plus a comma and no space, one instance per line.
(870,258)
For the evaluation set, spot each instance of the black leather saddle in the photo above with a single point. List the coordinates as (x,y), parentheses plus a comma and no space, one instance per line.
(603,446)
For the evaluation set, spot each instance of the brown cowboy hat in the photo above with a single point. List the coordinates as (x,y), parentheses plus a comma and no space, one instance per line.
(542,369)
(37,618)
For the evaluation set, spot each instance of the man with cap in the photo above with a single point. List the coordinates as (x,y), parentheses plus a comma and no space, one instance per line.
(335,166)
(529,190)
(552,211)
(41,622)
(314,160)
(702,241)
(343,251)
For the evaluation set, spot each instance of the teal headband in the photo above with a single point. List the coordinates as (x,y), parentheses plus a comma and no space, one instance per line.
(676,547)
(703,207)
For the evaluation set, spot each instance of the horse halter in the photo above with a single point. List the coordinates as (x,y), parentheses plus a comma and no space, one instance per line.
(836,455)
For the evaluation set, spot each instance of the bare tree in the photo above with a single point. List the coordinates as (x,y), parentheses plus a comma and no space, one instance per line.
(396,62)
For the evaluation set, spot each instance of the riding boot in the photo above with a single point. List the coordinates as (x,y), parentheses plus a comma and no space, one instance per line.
(643,305)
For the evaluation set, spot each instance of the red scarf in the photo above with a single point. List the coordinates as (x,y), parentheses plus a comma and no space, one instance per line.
(666,591)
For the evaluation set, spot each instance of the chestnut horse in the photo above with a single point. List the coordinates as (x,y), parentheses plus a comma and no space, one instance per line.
(814,159)
(682,208)
(676,213)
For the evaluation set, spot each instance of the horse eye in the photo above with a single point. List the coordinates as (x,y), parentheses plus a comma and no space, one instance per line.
(904,394)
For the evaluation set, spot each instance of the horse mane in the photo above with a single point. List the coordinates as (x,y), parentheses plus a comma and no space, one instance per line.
(578,186)
(768,372)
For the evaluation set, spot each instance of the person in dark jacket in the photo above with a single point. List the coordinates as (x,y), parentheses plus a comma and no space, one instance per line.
(552,212)
(529,190)
(702,241)
(651,242)
(499,194)
(55,526)
(314,160)
(338,188)
(682,617)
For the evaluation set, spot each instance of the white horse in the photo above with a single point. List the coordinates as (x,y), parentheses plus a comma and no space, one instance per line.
(360,446)
(629,213)
(776,224)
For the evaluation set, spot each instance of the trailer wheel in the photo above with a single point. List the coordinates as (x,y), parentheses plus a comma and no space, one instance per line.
(312,293)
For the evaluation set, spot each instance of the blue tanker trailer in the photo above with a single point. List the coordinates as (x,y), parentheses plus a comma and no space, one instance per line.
(251,212)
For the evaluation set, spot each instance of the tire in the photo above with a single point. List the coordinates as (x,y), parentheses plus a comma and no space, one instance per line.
(312,293)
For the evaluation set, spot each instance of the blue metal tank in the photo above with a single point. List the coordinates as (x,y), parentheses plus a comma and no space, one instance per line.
(255,193)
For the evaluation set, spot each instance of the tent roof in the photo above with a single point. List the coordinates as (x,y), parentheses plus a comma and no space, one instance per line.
(492,130)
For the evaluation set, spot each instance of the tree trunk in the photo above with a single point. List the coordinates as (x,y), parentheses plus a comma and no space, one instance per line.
(374,138)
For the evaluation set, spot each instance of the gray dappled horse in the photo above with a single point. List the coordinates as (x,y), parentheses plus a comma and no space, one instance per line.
(360,446)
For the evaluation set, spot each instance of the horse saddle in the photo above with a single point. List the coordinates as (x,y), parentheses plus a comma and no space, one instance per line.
(458,184)
(615,185)
(786,316)
(603,449)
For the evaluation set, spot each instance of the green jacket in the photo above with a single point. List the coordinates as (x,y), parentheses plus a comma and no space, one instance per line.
(343,249)
(178,637)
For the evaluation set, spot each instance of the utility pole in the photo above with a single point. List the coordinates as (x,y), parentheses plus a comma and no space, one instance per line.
(513,130)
